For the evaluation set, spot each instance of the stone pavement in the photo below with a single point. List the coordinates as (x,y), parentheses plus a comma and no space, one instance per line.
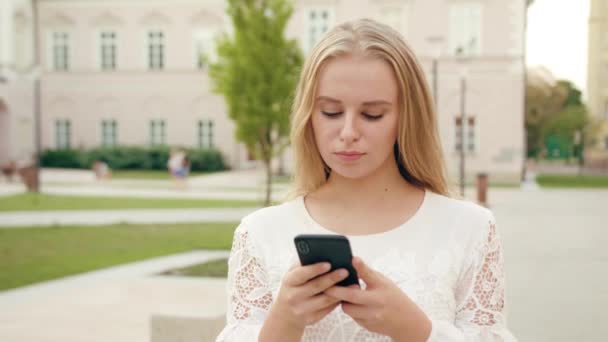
(230,185)
(555,259)
(114,304)
(556,262)
(132,216)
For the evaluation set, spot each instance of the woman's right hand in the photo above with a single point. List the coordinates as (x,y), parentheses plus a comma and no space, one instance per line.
(301,301)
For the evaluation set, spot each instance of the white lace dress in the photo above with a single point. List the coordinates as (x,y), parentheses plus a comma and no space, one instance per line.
(447,258)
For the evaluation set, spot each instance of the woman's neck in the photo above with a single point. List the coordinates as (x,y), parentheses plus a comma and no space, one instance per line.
(385,184)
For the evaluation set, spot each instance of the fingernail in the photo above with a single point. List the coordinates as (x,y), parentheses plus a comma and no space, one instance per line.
(342,273)
(326,266)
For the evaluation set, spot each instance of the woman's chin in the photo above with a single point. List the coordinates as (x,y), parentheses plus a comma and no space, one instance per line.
(352,171)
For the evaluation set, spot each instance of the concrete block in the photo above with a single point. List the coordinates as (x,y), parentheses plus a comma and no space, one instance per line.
(172,328)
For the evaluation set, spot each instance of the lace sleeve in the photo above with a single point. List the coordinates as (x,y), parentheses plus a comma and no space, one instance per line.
(249,295)
(480,296)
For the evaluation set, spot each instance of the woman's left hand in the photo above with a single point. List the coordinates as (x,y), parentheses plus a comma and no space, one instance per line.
(382,307)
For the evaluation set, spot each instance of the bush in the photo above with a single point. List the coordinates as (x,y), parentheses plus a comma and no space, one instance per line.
(62,158)
(206,160)
(132,158)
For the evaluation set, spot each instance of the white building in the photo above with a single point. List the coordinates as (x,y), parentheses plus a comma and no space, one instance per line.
(17,72)
(597,81)
(128,72)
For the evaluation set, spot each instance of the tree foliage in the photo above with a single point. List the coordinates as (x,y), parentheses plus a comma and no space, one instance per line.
(256,72)
(554,112)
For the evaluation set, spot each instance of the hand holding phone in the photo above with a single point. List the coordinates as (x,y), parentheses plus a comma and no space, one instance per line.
(301,301)
(334,249)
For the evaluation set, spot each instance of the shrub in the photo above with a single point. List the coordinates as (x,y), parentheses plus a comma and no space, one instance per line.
(132,158)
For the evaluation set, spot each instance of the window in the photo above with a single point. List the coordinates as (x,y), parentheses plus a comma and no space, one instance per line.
(62,134)
(108,132)
(470,134)
(156,50)
(158,132)
(203,46)
(465,28)
(205,134)
(319,21)
(61,61)
(108,50)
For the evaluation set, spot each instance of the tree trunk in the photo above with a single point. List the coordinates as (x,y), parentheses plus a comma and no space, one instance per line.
(267,164)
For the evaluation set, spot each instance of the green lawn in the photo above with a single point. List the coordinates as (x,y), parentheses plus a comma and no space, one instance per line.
(214,268)
(572,181)
(30,255)
(31,202)
(146,174)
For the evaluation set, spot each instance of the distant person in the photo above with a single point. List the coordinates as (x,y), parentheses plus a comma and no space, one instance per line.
(179,167)
(102,170)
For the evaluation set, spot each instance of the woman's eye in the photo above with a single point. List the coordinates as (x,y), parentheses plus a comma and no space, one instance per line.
(373,117)
(331,114)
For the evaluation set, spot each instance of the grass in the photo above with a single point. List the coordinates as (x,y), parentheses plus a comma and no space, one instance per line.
(31,255)
(572,181)
(33,202)
(214,268)
(146,174)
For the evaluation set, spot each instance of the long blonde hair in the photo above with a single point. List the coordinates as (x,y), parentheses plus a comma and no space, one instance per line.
(417,150)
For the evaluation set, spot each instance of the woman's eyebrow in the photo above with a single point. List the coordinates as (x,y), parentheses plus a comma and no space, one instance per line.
(328,99)
(367,103)
(376,102)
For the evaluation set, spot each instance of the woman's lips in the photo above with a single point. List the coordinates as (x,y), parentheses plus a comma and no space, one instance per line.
(349,156)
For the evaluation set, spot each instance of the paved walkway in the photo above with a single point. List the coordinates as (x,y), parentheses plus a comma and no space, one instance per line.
(231,185)
(114,304)
(133,216)
(555,253)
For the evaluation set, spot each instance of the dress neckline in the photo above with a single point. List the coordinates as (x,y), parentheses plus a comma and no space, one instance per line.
(411,221)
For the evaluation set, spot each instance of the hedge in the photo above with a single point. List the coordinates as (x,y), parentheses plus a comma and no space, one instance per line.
(132,158)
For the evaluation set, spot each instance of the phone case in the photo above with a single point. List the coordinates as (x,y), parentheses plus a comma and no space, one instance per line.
(334,249)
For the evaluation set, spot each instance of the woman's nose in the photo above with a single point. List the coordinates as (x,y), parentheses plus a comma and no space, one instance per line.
(349,132)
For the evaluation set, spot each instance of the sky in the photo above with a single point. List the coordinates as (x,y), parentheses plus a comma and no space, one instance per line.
(557,38)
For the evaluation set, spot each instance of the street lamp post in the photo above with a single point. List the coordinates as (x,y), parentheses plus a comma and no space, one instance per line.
(37,90)
(463,121)
(436,44)
(463,124)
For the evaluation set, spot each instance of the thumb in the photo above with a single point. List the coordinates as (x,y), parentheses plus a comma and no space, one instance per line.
(369,276)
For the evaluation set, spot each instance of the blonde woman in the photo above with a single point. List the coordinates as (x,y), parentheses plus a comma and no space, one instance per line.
(368,165)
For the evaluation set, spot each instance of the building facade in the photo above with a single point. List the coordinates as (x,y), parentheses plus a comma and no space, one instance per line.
(597,79)
(128,72)
(17,74)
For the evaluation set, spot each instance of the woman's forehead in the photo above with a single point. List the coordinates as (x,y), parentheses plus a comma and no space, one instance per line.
(364,78)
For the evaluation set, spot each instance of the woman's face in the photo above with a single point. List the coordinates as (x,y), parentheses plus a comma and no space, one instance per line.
(356,115)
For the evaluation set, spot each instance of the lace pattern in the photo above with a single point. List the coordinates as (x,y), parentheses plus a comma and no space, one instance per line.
(250,296)
(469,304)
(481,292)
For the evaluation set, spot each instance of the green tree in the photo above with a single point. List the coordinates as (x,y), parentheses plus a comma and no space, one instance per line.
(573,95)
(256,72)
(567,124)
(543,102)
(555,115)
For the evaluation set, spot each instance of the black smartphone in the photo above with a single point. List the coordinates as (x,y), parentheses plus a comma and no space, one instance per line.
(335,249)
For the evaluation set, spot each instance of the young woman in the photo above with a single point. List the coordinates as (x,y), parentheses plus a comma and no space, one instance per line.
(368,165)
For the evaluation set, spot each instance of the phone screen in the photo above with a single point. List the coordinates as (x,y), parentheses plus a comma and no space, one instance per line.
(334,249)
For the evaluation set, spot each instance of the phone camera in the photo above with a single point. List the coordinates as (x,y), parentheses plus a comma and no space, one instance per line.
(303,247)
